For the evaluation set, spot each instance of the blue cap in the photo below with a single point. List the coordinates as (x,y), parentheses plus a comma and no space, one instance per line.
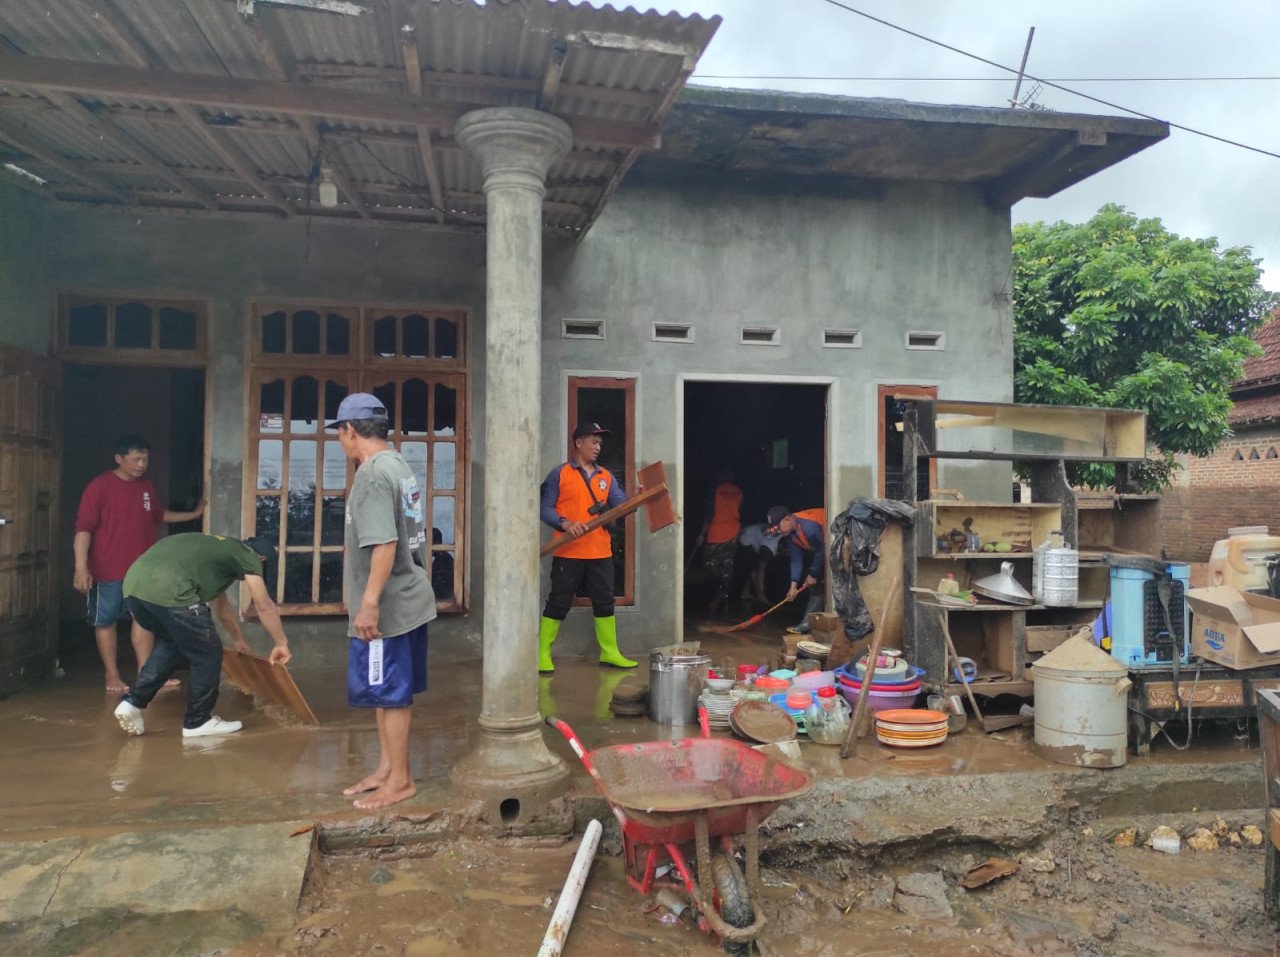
(357,406)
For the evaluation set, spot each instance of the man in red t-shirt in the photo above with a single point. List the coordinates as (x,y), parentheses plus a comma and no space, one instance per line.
(115,524)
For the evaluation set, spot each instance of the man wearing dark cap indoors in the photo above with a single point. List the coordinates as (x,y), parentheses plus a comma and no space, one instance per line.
(573,494)
(389,595)
(805,532)
(176,589)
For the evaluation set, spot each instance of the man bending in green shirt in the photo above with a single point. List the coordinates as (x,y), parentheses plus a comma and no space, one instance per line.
(175,590)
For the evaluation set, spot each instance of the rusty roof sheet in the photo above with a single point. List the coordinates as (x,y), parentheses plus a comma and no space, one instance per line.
(618,66)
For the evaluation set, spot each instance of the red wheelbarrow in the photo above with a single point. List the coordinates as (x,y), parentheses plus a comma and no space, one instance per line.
(667,795)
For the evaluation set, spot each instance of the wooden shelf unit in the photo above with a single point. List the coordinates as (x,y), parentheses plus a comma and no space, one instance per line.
(1004,639)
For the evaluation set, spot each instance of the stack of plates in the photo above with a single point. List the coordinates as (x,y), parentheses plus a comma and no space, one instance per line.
(911,728)
(718,705)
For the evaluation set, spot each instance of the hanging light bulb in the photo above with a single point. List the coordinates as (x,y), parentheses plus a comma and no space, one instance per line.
(328,188)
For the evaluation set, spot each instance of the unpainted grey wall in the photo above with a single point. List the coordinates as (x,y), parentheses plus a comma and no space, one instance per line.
(882,261)
(24,292)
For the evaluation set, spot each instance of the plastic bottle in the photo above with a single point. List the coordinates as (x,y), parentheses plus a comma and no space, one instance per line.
(827,719)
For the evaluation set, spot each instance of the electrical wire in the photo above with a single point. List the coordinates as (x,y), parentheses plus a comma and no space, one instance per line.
(1049,83)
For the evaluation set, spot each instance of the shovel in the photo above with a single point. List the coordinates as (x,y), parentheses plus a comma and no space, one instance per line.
(653,496)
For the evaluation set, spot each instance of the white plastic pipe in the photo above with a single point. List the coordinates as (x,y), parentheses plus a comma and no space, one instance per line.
(554,940)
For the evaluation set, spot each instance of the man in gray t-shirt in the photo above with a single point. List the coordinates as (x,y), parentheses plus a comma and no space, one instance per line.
(388,592)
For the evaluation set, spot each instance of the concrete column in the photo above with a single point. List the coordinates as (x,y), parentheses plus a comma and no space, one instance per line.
(511,770)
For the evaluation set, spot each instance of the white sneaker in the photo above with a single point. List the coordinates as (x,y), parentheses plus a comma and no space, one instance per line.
(214,725)
(130,718)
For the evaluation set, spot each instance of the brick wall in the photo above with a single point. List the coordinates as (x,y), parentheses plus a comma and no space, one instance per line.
(1222,490)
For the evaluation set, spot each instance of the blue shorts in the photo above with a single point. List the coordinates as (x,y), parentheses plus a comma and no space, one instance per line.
(387,672)
(104,604)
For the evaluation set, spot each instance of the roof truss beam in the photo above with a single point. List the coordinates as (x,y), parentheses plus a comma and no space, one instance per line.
(238,94)
(430,166)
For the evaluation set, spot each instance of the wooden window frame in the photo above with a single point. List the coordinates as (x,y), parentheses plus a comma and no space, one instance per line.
(111,354)
(627,386)
(887,391)
(363,373)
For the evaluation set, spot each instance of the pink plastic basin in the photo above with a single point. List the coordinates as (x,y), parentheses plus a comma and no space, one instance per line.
(881,700)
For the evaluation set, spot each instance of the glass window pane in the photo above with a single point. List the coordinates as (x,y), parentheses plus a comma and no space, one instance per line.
(267,518)
(331,577)
(270,455)
(384,337)
(177,329)
(415,332)
(271,406)
(442,518)
(443,466)
(337,336)
(306,333)
(334,393)
(273,332)
(87,325)
(133,326)
(333,520)
(446,411)
(303,410)
(302,492)
(335,466)
(415,456)
(386,394)
(413,420)
(297,578)
(442,575)
(271,575)
(446,338)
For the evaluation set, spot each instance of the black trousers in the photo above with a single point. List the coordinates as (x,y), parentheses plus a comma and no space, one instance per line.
(180,632)
(567,576)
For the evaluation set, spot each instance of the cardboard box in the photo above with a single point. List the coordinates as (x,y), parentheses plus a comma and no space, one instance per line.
(824,621)
(1238,629)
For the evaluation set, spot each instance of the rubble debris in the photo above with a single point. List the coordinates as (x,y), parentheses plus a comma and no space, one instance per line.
(1103,927)
(1235,840)
(1252,835)
(1166,839)
(922,895)
(1202,839)
(988,871)
(1039,865)
(1219,828)
(1126,838)
(381,875)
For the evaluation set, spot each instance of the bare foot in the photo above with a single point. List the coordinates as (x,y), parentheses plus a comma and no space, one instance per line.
(385,796)
(116,685)
(371,783)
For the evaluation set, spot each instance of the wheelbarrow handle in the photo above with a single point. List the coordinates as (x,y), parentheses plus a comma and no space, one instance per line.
(704,722)
(583,754)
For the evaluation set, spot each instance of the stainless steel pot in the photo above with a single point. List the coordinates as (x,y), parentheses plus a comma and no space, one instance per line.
(675,681)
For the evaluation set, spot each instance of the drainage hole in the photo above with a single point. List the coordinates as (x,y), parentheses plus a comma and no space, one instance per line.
(509,810)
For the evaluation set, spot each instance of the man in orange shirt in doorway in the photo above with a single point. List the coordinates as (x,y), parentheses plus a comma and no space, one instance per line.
(806,533)
(573,494)
(719,536)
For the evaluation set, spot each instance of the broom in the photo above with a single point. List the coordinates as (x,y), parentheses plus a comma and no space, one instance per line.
(753,620)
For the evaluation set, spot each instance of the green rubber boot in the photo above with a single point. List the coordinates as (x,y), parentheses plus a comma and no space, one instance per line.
(604,692)
(607,639)
(547,631)
(546,700)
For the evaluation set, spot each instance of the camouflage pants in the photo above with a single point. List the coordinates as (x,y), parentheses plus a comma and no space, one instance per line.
(718,560)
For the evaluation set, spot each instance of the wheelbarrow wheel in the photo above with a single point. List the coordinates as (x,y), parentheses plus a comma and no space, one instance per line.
(735,903)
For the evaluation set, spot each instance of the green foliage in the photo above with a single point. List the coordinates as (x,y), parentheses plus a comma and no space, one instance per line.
(1120,312)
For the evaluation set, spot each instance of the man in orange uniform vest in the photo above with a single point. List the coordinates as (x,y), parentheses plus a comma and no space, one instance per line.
(805,533)
(720,534)
(573,494)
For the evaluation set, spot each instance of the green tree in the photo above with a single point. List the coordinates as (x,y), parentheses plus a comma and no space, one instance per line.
(1121,312)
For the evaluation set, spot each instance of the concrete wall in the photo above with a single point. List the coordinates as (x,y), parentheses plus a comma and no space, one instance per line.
(24,295)
(925,258)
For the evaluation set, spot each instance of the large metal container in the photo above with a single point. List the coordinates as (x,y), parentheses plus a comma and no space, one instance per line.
(1081,706)
(675,681)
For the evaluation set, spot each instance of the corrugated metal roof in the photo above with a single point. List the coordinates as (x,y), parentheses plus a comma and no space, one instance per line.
(619,67)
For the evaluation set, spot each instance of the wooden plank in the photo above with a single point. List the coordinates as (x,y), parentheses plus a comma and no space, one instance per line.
(1273,826)
(242,94)
(272,683)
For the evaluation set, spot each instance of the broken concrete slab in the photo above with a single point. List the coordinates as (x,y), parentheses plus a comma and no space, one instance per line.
(923,895)
(257,870)
(29,875)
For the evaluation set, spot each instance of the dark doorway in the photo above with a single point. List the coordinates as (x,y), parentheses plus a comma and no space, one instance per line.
(773,437)
(102,402)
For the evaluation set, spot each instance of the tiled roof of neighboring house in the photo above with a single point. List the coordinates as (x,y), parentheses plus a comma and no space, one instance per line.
(1255,410)
(1267,365)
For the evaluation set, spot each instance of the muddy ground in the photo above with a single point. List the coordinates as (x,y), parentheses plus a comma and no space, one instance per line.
(471,897)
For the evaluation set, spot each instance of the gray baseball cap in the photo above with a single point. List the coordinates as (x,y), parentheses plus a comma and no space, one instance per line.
(359,405)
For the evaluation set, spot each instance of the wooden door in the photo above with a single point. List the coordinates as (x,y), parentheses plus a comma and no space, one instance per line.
(29,474)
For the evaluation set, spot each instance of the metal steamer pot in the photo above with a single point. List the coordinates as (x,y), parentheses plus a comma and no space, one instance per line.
(675,681)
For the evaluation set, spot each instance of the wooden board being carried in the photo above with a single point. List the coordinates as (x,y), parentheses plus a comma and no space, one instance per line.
(272,683)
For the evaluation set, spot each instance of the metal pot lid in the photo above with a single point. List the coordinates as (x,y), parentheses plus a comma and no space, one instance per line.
(762,721)
(1004,587)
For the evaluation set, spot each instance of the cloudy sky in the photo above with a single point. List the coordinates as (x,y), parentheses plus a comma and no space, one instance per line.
(1198,187)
